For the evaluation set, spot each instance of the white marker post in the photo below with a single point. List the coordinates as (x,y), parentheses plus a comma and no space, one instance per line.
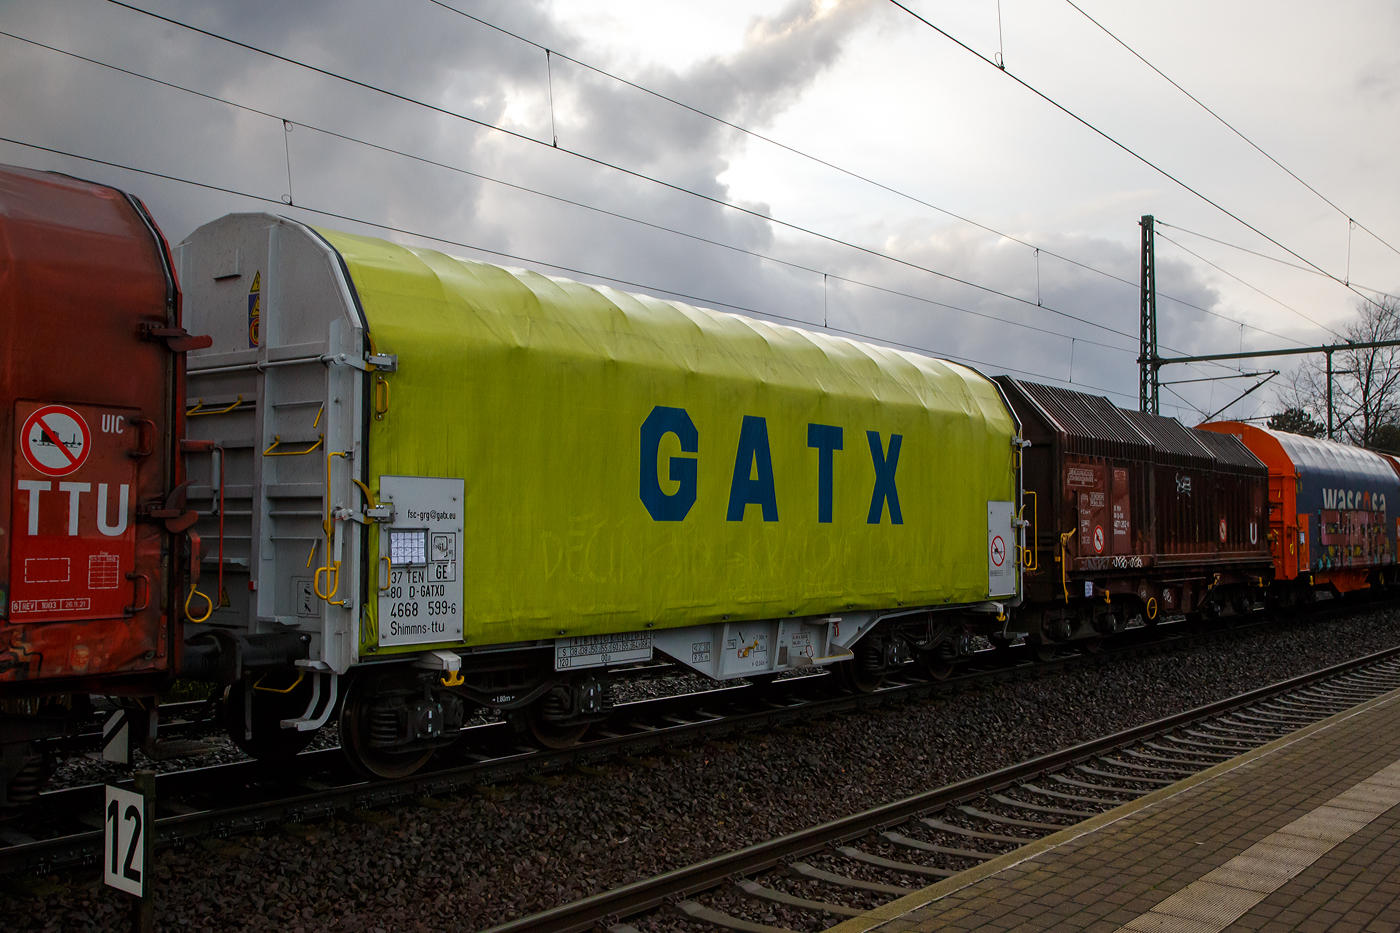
(129,851)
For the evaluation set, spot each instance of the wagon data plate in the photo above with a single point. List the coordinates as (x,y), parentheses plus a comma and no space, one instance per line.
(598,650)
(420,550)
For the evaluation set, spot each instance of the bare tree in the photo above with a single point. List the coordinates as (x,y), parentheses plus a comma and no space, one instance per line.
(1365,383)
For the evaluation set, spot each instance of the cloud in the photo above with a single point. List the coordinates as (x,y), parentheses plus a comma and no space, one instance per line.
(429,53)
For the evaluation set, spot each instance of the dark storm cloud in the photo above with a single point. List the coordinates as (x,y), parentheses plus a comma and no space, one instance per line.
(422,51)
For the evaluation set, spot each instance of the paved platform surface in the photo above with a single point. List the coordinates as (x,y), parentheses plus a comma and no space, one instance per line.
(1301,834)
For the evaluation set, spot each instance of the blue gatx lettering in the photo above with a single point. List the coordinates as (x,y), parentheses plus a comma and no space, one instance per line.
(753,473)
(752,480)
(659,423)
(885,490)
(826,439)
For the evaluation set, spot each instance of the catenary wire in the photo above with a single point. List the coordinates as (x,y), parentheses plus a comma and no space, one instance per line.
(602,163)
(538,262)
(1253,252)
(560,199)
(1163,236)
(1125,148)
(836,168)
(641,176)
(1223,122)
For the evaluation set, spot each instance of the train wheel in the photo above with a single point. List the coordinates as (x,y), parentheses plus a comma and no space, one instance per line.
(356,724)
(1044,650)
(275,698)
(934,666)
(552,734)
(856,678)
(1092,645)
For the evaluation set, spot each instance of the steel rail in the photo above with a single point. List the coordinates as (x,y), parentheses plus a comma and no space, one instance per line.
(584,914)
(85,847)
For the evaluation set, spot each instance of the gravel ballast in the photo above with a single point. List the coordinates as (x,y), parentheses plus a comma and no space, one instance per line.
(479,859)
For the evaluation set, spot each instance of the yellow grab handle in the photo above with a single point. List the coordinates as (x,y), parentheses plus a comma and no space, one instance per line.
(198,409)
(388,574)
(277,439)
(333,577)
(381,398)
(194,591)
(258,685)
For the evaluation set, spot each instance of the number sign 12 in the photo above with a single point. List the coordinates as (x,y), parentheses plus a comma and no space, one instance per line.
(124,857)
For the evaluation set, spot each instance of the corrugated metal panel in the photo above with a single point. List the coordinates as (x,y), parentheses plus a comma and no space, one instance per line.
(1171,440)
(1230,451)
(1093,425)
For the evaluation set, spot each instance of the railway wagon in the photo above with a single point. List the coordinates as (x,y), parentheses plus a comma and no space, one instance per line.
(92,512)
(1133,514)
(1330,529)
(439,485)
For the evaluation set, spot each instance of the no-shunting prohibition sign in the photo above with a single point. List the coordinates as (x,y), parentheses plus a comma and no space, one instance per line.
(55,440)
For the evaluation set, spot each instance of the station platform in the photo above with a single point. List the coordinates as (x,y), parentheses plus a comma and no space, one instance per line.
(1300,834)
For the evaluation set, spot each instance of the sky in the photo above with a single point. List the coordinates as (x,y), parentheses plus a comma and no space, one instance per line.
(969,185)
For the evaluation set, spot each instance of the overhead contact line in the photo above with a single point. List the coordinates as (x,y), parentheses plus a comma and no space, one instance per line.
(1125,148)
(1229,126)
(552,197)
(632,173)
(833,166)
(701,300)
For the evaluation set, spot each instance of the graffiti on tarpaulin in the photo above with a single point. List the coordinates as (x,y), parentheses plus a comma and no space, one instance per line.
(1353,499)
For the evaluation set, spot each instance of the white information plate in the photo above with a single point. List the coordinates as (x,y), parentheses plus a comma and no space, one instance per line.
(420,550)
(1002,545)
(124,852)
(598,650)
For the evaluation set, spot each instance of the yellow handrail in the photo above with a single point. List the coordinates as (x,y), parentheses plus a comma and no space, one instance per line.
(1030,556)
(1064,562)
(301,675)
(332,568)
(216,411)
(277,439)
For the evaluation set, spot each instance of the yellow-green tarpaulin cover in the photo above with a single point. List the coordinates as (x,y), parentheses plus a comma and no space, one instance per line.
(631,461)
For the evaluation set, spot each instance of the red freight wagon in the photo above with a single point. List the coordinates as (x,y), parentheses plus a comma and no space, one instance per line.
(1131,514)
(1334,510)
(91,400)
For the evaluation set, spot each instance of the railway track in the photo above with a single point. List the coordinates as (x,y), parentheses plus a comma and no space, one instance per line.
(843,868)
(64,828)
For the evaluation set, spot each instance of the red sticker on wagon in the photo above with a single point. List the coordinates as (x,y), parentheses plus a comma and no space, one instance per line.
(73,513)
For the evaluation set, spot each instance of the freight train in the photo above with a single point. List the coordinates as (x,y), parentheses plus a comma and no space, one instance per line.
(375,487)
